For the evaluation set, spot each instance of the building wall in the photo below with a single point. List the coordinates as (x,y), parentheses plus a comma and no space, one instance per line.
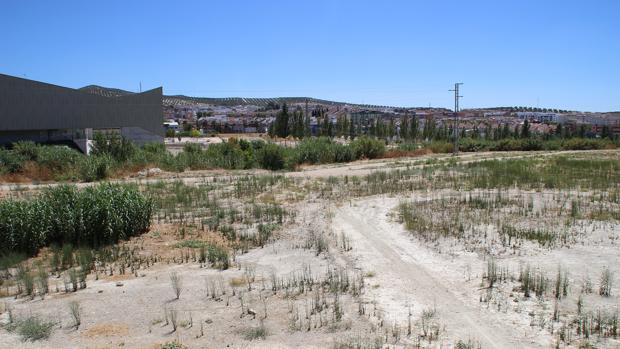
(31,108)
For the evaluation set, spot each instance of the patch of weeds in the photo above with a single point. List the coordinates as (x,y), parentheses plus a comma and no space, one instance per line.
(173,345)
(32,328)
(253,333)
(467,345)
(192,244)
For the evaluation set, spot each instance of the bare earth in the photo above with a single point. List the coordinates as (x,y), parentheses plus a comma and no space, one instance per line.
(409,273)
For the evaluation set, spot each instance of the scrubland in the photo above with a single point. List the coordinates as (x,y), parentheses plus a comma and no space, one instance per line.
(484,250)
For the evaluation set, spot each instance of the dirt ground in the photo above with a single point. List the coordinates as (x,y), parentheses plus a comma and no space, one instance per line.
(414,293)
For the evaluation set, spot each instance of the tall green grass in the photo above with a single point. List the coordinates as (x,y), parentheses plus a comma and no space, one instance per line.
(95,216)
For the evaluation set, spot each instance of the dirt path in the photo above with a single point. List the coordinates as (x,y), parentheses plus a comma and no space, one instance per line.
(408,273)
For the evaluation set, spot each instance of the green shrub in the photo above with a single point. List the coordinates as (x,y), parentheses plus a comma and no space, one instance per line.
(253,333)
(114,145)
(151,154)
(343,153)
(170,133)
(365,147)
(95,167)
(11,161)
(58,158)
(271,157)
(554,144)
(586,144)
(27,149)
(473,145)
(10,259)
(408,146)
(32,328)
(439,147)
(218,256)
(225,155)
(531,144)
(192,148)
(315,151)
(154,148)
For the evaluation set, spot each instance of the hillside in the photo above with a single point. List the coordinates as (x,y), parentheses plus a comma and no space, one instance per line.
(224,101)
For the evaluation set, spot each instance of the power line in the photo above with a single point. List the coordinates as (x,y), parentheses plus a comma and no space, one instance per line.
(456,116)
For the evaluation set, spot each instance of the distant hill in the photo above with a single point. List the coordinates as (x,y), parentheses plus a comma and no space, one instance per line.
(225,101)
(104,91)
(232,101)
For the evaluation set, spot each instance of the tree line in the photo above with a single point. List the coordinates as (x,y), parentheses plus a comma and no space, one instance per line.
(409,128)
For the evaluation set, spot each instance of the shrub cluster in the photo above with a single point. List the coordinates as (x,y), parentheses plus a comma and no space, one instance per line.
(112,154)
(323,150)
(93,217)
(32,328)
(271,157)
(368,148)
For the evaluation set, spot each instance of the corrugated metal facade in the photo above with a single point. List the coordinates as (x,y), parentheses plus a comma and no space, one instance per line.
(27,105)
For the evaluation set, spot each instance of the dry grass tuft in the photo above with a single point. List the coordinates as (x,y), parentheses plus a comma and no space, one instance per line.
(107,330)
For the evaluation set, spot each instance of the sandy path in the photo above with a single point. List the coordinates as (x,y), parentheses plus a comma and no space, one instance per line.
(410,274)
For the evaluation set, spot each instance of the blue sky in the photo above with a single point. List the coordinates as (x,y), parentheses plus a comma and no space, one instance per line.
(563,54)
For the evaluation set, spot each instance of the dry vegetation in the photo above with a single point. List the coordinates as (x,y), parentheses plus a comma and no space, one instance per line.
(432,253)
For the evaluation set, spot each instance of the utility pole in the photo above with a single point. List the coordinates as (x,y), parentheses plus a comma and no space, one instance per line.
(307,121)
(456,117)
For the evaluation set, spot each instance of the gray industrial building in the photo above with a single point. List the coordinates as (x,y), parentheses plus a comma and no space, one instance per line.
(40,112)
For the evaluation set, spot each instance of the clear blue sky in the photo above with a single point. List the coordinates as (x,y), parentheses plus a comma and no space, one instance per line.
(563,54)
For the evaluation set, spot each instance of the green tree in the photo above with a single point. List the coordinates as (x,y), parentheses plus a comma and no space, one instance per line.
(413,133)
(582,131)
(525,130)
(352,129)
(281,127)
(112,144)
(606,132)
(558,131)
(476,132)
(404,128)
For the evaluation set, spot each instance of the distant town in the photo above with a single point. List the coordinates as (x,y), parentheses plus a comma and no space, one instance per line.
(241,115)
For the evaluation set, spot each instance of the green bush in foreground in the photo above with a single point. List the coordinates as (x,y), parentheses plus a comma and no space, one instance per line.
(95,216)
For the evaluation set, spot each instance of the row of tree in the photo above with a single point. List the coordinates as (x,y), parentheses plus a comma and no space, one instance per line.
(410,128)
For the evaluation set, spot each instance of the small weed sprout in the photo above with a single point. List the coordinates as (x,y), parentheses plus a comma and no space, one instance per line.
(606,283)
(176,283)
(76,314)
(259,332)
(174,318)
